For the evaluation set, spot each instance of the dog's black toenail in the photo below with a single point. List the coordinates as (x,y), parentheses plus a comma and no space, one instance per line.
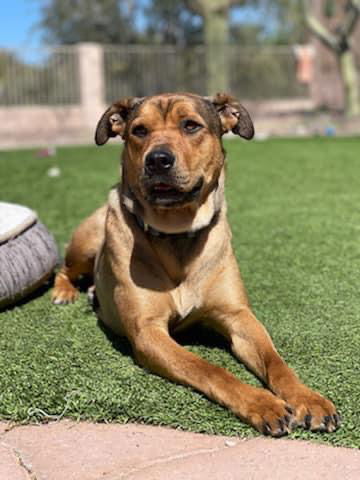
(289,410)
(337,420)
(327,420)
(293,424)
(266,429)
(287,419)
(307,421)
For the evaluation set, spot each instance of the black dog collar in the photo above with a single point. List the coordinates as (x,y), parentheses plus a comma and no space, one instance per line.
(182,235)
(129,201)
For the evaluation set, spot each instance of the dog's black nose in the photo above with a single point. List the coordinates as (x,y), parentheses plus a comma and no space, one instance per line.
(158,162)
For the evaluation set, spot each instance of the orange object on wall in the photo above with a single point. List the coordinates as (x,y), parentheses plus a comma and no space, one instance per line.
(305,55)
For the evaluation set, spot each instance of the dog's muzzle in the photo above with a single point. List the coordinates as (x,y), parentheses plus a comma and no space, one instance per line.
(159,162)
(162,183)
(166,193)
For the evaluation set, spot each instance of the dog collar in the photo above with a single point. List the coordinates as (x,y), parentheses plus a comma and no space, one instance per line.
(128,203)
(128,200)
(182,235)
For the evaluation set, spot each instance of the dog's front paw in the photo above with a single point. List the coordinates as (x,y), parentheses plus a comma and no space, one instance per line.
(270,415)
(64,291)
(64,295)
(313,411)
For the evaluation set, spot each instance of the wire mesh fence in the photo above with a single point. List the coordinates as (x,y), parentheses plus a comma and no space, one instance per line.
(264,73)
(51,76)
(39,76)
(145,70)
(254,72)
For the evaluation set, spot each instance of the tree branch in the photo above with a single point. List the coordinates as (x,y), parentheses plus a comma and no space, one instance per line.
(232,3)
(319,30)
(202,6)
(351,19)
(195,6)
(355,4)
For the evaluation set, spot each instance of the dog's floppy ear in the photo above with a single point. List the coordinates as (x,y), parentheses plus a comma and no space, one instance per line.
(233,115)
(113,121)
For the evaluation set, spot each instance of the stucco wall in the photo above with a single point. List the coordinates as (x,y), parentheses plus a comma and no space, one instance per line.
(38,125)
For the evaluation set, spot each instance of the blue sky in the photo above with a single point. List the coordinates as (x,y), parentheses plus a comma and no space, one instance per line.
(19,18)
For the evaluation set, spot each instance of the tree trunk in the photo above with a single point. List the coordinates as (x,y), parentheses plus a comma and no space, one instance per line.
(351,83)
(216,33)
(339,43)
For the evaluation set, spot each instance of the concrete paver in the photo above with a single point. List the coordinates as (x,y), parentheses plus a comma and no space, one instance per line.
(258,459)
(69,451)
(83,451)
(10,468)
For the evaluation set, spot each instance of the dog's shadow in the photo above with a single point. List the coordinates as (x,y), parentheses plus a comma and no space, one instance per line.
(119,343)
(197,335)
(200,335)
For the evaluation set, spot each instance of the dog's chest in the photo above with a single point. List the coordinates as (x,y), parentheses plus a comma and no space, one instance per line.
(186,299)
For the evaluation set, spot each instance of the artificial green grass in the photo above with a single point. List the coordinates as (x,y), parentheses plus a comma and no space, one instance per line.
(294,209)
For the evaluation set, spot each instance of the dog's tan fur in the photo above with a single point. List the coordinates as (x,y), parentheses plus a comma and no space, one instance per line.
(149,286)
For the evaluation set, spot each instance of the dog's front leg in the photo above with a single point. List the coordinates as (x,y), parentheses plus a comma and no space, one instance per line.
(227,305)
(157,351)
(251,343)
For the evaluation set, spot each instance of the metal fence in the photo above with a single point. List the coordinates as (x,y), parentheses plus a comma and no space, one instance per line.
(254,73)
(39,76)
(145,70)
(51,76)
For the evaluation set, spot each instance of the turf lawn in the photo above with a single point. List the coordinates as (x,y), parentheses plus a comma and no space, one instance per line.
(294,209)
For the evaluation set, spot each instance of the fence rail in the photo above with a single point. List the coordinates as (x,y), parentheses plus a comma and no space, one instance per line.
(145,70)
(254,73)
(39,76)
(52,76)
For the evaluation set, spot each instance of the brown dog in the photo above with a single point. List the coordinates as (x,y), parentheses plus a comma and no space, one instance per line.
(164,259)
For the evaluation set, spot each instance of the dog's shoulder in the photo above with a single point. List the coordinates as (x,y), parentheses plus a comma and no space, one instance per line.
(115,214)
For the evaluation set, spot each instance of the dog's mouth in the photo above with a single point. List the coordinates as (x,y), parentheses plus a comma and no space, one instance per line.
(168,195)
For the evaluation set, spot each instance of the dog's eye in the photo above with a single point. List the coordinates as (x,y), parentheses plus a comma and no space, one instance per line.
(140,131)
(190,126)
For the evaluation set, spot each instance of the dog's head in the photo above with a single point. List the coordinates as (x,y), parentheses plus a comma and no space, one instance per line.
(173,154)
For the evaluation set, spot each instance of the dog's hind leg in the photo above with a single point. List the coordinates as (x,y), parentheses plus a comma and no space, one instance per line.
(79,257)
